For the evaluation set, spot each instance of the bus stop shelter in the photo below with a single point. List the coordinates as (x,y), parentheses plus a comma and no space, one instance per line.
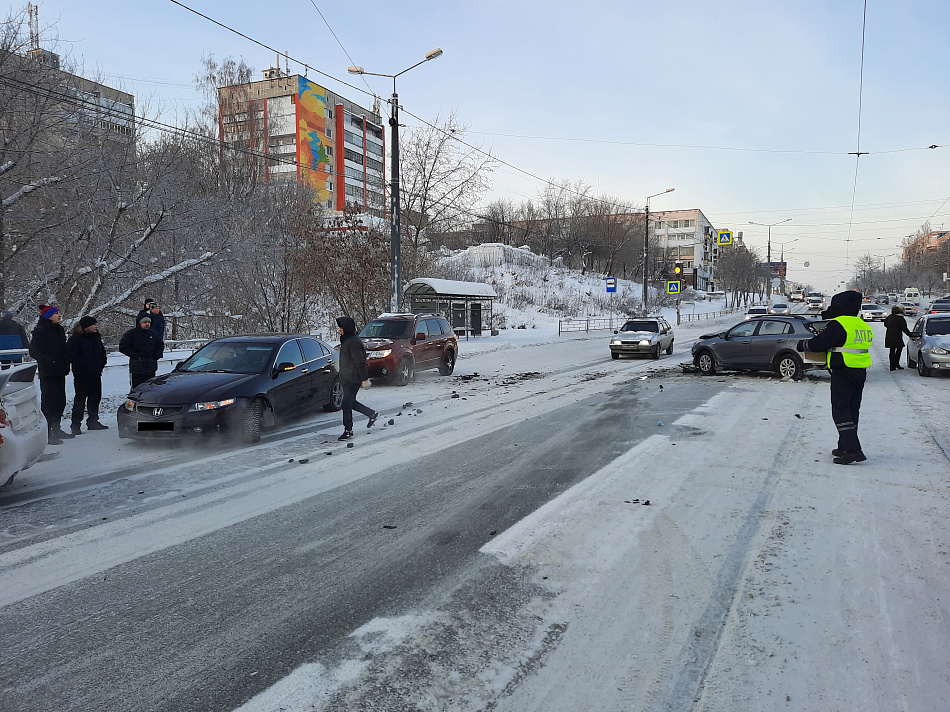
(467,305)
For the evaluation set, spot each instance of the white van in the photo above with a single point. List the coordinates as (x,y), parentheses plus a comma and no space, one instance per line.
(912,295)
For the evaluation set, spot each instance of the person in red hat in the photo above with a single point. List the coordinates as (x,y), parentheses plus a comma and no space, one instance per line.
(48,347)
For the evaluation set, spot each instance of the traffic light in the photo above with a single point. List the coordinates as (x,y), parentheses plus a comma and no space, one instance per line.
(678,267)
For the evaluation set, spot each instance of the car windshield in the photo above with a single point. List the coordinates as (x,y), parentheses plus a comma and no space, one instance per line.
(229,357)
(387,330)
(641,326)
(938,327)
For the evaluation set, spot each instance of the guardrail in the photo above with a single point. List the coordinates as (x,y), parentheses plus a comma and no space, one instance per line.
(699,316)
(565,326)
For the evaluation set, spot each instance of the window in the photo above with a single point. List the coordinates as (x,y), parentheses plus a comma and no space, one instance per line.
(374,148)
(373,164)
(329,132)
(434,328)
(311,350)
(745,329)
(773,328)
(290,353)
(353,156)
(353,138)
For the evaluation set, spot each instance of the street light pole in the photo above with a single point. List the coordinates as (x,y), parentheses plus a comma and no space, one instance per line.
(768,253)
(395,213)
(646,244)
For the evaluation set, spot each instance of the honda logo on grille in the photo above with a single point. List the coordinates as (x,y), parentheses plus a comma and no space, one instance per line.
(157,412)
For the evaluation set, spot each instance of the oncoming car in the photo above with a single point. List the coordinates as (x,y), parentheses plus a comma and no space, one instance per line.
(929,345)
(235,385)
(780,308)
(647,335)
(755,311)
(872,312)
(763,344)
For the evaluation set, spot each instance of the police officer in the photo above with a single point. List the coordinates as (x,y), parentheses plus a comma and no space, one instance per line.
(847,341)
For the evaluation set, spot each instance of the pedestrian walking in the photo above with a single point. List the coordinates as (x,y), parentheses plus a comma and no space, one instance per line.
(48,347)
(154,312)
(143,347)
(847,341)
(12,336)
(87,358)
(354,373)
(896,326)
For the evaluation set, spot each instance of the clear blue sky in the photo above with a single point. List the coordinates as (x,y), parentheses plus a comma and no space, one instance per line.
(748,109)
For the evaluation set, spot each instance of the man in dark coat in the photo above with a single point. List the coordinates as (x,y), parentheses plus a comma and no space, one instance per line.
(847,341)
(12,336)
(48,347)
(87,357)
(143,347)
(896,326)
(152,310)
(354,373)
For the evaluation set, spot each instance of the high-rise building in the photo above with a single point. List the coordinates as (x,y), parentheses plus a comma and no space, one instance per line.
(687,236)
(297,130)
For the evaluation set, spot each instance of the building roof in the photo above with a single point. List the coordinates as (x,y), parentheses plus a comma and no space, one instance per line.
(450,287)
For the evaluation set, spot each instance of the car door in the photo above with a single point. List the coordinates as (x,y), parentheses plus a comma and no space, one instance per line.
(913,344)
(320,363)
(666,335)
(422,351)
(437,341)
(291,386)
(771,336)
(735,349)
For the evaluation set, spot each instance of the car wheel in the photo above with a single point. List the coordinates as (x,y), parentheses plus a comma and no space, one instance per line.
(448,364)
(251,425)
(706,363)
(922,369)
(910,362)
(656,352)
(614,355)
(336,396)
(403,372)
(669,349)
(789,366)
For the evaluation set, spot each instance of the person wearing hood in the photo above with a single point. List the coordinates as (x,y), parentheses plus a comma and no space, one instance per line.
(847,341)
(87,358)
(354,373)
(153,312)
(143,347)
(12,336)
(896,326)
(48,347)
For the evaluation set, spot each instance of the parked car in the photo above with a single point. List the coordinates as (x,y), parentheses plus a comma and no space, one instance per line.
(756,311)
(872,312)
(762,344)
(398,345)
(649,335)
(780,308)
(929,345)
(23,432)
(910,309)
(939,306)
(237,385)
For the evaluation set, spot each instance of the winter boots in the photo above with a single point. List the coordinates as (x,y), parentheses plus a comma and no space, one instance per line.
(347,434)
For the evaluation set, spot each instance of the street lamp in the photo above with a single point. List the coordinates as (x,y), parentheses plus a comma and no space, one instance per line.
(396,256)
(646,244)
(768,257)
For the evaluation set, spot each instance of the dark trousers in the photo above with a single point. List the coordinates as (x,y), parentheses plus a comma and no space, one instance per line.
(53,399)
(88,397)
(847,387)
(350,404)
(895,356)
(138,378)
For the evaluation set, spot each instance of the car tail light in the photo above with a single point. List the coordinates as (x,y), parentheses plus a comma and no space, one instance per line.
(3,418)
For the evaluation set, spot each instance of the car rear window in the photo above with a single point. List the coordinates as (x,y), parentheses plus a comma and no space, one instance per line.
(938,327)
(387,330)
(641,326)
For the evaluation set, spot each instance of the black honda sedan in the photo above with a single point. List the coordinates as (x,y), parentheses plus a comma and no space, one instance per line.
(236,385)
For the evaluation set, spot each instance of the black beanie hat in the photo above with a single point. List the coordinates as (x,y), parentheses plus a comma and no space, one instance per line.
(843,304)
(87,321)
(347,324)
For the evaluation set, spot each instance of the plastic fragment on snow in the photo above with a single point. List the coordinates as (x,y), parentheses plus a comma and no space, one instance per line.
(304,460)
(389,526)
(659,422)
(645,502)
(329,453)
(290,460)
(349,444)
(391,422)
(797,415)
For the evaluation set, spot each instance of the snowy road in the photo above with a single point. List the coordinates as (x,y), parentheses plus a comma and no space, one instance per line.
(487,553)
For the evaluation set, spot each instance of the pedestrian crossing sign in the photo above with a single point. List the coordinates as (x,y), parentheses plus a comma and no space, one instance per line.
(674,286)
(724,237)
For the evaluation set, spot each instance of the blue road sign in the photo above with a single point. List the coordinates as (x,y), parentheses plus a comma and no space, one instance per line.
(674,286)
(724,237)
(611,284)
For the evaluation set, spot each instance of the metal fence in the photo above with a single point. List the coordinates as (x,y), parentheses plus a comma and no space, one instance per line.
(707,315)
(565,326)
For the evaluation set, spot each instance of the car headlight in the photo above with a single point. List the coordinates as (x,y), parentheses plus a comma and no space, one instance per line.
(130,405)
(383,353)
(938,350)
(645,342)
(211,405)
(615,342)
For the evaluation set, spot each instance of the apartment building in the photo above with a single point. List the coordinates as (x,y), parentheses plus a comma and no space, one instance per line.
(689,237)
(297,130)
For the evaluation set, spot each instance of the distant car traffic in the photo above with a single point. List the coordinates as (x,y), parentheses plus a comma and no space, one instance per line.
(872,312)
(881,299)
(235,385)
(939,306)
(23,432)
(910,309)
(796,297)
(893,296)
(761,344)
(645,336)
(929,345)
(757,311)
(814,303)
(780,308)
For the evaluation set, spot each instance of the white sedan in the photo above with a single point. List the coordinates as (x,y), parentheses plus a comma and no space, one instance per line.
(872,312)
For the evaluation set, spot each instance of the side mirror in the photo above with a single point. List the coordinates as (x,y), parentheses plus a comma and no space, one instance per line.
(178,366)
(915,334)
(616,332)
(420,336)
(282,368)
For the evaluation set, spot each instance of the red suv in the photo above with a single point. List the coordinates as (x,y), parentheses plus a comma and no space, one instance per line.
(397,345)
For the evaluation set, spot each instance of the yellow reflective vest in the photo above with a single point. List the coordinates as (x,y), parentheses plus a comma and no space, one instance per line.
(856,351)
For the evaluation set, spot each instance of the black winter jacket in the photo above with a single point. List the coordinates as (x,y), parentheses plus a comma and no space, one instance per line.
(144,348)
(896,326)
(87,355)
(158,322)
(8,327)
(353,367)
(48,347)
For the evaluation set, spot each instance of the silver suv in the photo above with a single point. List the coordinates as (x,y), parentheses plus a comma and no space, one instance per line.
(647,335)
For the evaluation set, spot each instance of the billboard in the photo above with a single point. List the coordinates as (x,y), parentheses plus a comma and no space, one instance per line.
(312,141)
(777,269)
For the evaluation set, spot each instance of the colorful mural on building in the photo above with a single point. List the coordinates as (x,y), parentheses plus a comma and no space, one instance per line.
(312,142)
